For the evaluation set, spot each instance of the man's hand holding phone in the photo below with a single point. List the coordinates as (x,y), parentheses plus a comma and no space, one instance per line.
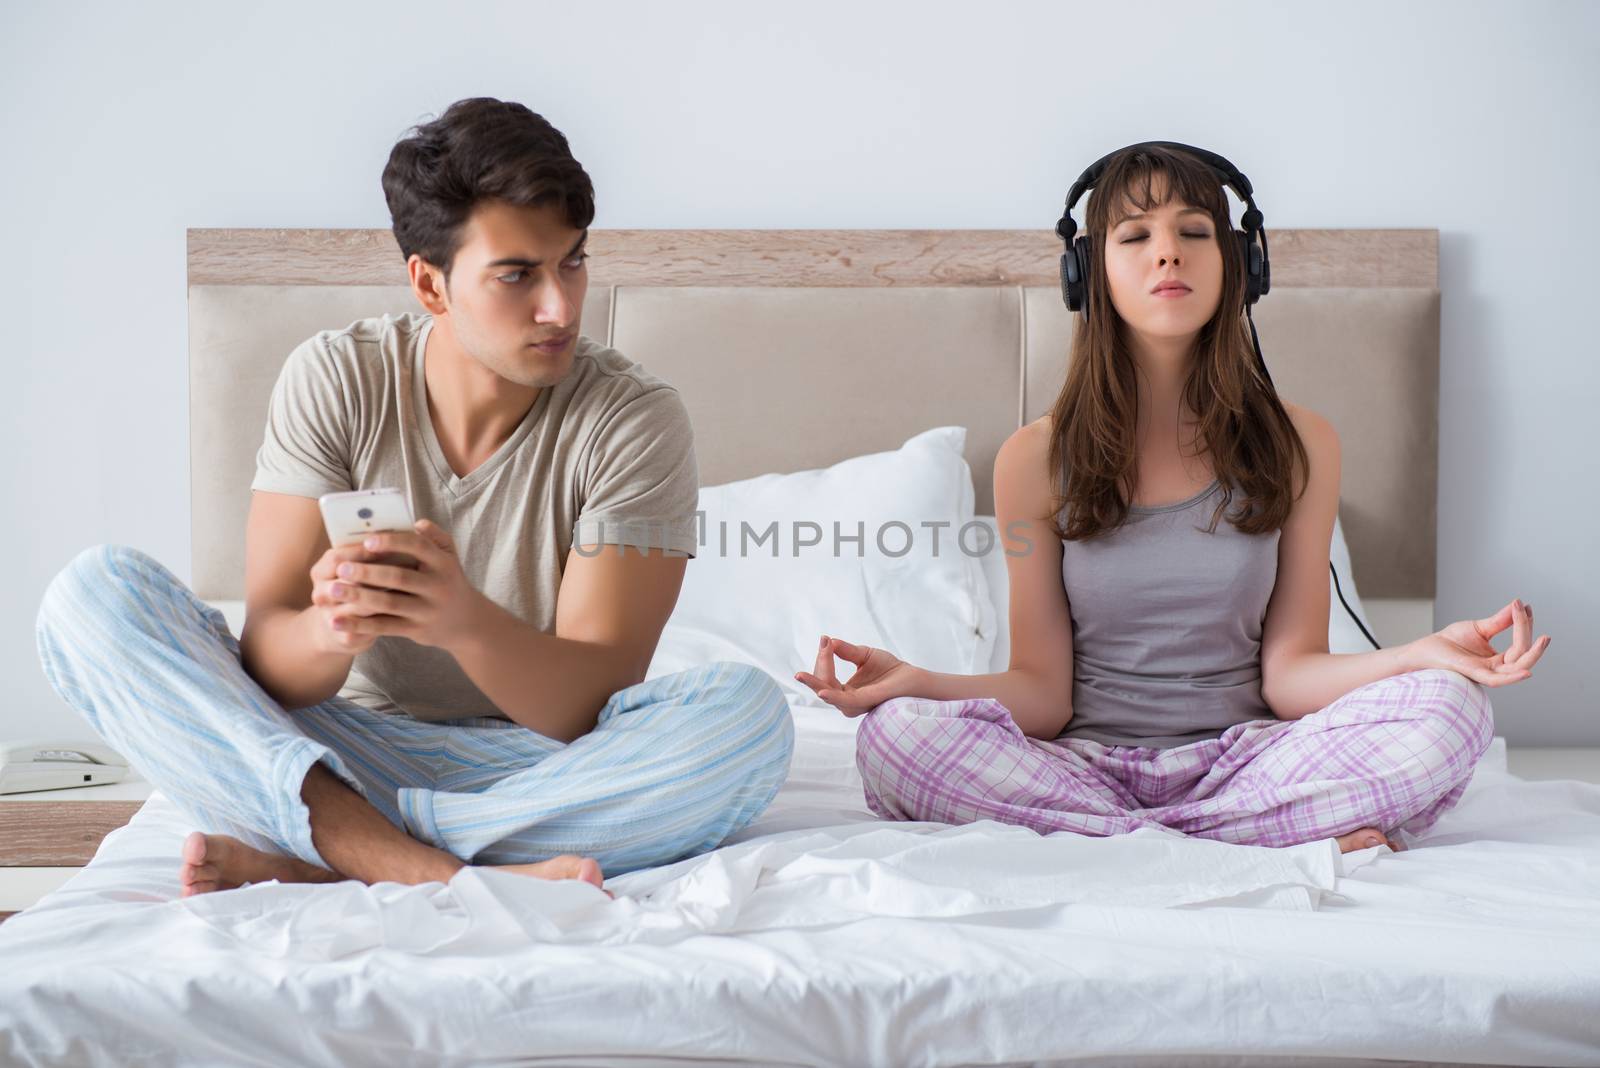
(431,602)
(330,602)
(388,574)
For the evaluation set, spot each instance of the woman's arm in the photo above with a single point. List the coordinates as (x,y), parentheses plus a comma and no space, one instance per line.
(1298,674)
(1037,688)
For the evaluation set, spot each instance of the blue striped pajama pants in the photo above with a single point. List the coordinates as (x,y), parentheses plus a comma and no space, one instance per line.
(674,766)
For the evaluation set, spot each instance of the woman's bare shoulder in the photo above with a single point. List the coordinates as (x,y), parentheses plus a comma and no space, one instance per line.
(1315,430)
(1322,448)
(1029,440)
(1021,467)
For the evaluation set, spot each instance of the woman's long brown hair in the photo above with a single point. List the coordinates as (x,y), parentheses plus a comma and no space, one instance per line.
(1253,445)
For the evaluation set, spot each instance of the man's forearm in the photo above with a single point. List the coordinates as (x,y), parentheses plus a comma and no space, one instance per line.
(1309,682)
(552,685)
(279,650)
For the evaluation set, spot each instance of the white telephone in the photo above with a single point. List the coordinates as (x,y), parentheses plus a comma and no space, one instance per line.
(36,765)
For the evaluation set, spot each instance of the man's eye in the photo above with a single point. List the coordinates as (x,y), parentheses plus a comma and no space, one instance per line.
(511,279)
(577,261)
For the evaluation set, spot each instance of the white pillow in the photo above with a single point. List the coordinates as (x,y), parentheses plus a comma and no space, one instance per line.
(1343,635)
(911,589)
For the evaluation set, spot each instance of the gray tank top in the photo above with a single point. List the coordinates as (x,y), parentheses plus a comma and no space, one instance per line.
(1166,626)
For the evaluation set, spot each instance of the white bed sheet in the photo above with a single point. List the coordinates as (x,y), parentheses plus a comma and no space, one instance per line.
(822,937)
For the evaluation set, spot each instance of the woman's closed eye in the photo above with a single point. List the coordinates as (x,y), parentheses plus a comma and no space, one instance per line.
(1140,237)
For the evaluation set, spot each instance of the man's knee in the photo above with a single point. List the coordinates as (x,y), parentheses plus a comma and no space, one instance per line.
(750,696)
(750,717)
(72,592)
(89,574)
(89,608)
(736,702)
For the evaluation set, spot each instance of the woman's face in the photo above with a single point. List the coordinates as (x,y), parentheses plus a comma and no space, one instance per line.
(1165,268)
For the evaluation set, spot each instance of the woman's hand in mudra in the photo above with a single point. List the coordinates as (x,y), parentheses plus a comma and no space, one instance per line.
(879,676)
(1465,647)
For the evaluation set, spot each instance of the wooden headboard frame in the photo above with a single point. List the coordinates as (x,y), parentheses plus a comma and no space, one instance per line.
(1344,258)
(1357,314)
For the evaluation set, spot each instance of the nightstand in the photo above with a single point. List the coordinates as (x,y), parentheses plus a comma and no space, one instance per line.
(46,837)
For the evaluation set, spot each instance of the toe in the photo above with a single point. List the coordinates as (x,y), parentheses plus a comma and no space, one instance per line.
(194,848)
(197,873)
(1362,838)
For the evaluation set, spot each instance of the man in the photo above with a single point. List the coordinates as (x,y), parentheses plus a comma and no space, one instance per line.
(469,690)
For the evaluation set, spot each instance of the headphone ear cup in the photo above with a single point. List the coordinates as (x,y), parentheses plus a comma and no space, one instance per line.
(1250,257)
(1078,299)
(1069,280)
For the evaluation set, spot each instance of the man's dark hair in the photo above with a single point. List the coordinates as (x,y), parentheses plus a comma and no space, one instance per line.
(479,149)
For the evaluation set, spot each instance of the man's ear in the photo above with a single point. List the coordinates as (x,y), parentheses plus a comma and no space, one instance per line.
(428,284)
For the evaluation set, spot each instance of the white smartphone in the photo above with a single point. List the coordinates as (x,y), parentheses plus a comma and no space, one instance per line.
(351,516)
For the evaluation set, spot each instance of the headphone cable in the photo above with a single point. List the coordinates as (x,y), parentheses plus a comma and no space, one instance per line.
(1262,363)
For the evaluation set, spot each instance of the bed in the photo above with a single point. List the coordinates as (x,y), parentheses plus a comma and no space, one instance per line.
(820,935)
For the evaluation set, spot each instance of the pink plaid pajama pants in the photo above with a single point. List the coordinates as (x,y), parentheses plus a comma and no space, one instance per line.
(1394,754)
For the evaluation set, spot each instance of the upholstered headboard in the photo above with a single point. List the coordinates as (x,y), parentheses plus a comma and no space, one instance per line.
(796,349)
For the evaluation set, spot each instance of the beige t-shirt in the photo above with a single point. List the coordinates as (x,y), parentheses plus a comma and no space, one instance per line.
(605,456)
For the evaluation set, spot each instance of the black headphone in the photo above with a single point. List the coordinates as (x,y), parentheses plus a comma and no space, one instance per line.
(1252,241)
(1075,260)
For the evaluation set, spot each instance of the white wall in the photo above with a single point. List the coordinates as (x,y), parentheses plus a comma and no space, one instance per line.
(124,125)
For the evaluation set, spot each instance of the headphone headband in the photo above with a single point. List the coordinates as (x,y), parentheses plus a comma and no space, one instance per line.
(1231,176)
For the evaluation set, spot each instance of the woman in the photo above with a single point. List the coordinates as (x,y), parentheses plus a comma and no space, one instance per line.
(1167,529)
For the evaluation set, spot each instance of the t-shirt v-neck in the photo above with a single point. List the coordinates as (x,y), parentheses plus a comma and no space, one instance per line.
(459,485)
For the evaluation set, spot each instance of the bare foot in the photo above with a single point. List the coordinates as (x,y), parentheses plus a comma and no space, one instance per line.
(218,862)
(566,866)
(1365,838)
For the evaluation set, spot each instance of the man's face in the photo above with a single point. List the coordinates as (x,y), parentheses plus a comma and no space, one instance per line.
(516,290)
